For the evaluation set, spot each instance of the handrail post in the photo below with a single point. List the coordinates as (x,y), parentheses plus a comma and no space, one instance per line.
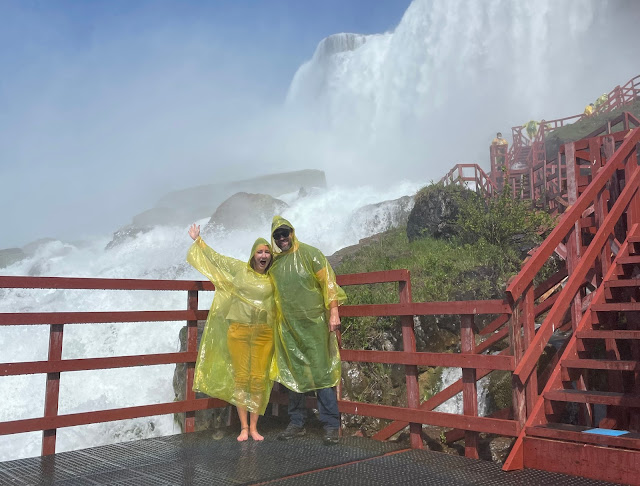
(469,387)
(192,345)
(53,388)
(601,209)
(574,244)
(528,325)
(411,371)
(515,339)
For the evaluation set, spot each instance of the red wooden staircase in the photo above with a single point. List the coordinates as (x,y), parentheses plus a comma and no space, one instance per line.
(580,412)
(589,409)
(588,413)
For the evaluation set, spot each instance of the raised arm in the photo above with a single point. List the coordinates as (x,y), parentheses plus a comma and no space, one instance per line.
(218,268)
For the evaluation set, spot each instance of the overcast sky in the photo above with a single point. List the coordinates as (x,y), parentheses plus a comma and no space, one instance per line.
(106,105)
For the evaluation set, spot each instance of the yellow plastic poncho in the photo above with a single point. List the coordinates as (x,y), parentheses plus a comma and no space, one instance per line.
(532,128)
(306,354)
(588,110)
(236,349)
(601,100)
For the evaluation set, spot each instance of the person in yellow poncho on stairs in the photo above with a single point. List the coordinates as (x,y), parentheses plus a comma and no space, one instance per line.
(236,349)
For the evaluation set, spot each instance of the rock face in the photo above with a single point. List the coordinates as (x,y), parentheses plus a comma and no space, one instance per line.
(198,202)
(188,205)
(244,210)
(383,216)
(10,256)
(337,257)
(435,212)
(158,216)
(31,248)
(126,233)
(144,222)
(376,219)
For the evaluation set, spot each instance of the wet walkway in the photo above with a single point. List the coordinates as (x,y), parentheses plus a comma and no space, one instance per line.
(199,459)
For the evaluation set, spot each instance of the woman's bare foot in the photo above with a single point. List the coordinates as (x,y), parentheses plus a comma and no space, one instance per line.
(256,436)
(244,435)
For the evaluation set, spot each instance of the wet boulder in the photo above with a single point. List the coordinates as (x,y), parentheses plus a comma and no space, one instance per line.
(380,217)
(435,212)
(9,256)
(246,211)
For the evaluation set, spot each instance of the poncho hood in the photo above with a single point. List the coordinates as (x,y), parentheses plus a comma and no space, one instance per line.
(259,242)
(277,222)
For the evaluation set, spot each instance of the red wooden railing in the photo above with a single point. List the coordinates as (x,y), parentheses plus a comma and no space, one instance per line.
(620,96)
(584,262)
(469,359)
(55,365)
(525,154)
(466,174)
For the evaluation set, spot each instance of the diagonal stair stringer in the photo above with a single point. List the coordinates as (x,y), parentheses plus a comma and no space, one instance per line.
(538,416)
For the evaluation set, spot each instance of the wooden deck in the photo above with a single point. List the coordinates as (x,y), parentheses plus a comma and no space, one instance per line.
(199,459)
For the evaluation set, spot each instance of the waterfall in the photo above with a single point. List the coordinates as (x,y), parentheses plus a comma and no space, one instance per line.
(402,99)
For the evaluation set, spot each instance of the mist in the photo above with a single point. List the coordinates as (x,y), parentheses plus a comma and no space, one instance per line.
(94,132)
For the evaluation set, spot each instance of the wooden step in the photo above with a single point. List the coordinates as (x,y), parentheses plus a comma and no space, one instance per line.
(578,433)
(628,260)
(629,282)
(608,334)
(601,364)
(616,307)
(599,397)
(633,239)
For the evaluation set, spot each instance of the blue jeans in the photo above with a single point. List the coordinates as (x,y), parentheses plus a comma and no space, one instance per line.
(327,406)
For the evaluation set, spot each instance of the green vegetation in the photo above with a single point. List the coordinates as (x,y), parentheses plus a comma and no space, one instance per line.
(482,246)
(502,221)
(473,265)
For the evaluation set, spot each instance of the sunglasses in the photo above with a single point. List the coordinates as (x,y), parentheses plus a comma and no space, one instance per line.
(281,234)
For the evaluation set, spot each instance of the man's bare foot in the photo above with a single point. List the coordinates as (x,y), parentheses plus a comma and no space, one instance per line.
(256,436)
(244,434)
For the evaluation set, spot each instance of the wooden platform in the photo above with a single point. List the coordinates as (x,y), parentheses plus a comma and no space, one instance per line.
(199,459)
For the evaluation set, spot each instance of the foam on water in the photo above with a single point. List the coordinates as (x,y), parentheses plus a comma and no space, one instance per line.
(455,403)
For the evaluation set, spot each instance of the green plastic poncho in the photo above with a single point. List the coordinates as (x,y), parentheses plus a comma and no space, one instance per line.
(236,349)
(601,100)
(306,354)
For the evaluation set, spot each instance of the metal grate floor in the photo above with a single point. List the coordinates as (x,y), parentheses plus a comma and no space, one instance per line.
(198,459)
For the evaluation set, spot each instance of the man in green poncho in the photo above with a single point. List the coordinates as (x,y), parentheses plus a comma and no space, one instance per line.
(306,356)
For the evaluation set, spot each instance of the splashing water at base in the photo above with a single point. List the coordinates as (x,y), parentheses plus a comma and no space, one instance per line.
(321,219)
(454,404)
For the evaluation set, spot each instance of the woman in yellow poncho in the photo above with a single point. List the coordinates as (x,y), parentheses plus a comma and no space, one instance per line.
(237,343)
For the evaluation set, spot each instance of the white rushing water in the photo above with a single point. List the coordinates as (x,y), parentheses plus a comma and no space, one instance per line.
(455,403)
(322,218)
